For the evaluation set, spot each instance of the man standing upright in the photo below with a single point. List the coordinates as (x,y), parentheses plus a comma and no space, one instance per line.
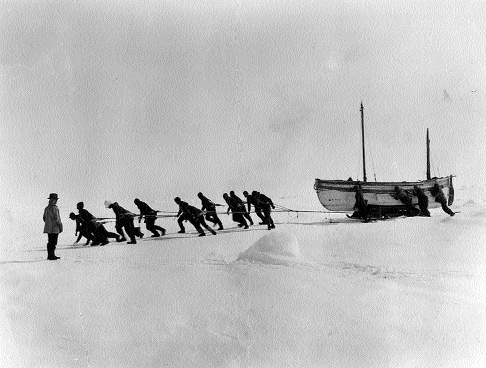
(150,217)
(52,226)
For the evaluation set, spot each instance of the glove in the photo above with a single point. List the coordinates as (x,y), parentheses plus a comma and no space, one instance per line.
(273,206)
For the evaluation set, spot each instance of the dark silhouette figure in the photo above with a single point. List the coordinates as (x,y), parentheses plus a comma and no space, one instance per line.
(440,197)
(250,200)
(423,200)
(193,215)
(91,226)
(236,209)
(406,199)
(361,204)
(210,208)
(124,220)
(241,206)
(265,205)
(150,217)
(80,229)
(181,215)
(52,226)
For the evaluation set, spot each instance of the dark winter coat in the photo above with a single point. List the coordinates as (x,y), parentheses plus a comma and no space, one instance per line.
(437,192)
(146,210)
(207,205)
(85,216)
(360,201)
(264,200)
(420,194)
(192,212)
(120,212)
(402,196)
(182,204)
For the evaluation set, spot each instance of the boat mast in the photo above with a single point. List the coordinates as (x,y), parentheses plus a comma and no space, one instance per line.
(363,142)
(428,155)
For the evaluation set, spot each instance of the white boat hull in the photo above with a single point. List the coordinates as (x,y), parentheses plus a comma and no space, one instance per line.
(339,195)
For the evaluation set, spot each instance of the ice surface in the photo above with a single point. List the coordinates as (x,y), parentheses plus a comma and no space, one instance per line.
(407,292)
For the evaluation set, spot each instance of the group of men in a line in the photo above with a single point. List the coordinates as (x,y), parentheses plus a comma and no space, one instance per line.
(240,213)
(405,197)
(87,225)
(95,232)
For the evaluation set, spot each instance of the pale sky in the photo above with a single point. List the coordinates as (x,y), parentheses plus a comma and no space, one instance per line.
(123,99)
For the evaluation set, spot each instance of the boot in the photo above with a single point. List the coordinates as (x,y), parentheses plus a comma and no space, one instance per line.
(202,234)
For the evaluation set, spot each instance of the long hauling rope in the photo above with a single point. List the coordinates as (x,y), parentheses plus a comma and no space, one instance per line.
(278,209)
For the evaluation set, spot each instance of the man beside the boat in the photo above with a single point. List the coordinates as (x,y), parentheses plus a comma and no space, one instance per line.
(440,197)
(361,205)
(423,200)
(404,197)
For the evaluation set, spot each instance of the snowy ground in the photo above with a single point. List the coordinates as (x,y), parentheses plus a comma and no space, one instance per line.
(319,291)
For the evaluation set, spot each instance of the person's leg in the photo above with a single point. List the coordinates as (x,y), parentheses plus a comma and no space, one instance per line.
(130,229)
(180,221)
(218,221)
(241,220)
(248,217)
(150,225)
(160,228)
(206,226)
(259,213)
(119,230)
(51,246)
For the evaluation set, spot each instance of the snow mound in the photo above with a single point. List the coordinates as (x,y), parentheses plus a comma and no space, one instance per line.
(276,248)
(470,203)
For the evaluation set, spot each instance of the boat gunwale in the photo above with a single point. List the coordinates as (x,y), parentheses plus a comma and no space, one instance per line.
(383,187)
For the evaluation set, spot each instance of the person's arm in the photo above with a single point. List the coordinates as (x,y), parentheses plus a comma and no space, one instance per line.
(79,238)
(58,219)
